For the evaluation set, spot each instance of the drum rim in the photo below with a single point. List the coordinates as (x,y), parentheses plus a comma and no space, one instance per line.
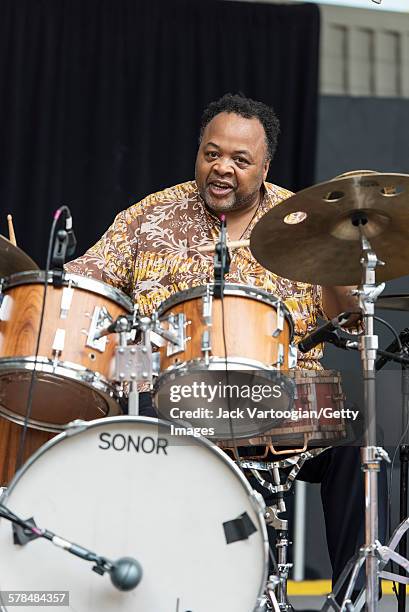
(77,427)
(99,384)
(230,289)
(77,282)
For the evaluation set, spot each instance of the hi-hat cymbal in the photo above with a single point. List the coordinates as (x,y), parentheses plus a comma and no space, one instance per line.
(398,301)
(13,259)
(310,237)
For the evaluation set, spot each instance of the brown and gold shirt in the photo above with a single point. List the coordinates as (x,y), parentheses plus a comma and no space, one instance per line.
(151,252)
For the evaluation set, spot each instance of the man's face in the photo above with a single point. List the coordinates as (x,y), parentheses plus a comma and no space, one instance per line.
(231,163)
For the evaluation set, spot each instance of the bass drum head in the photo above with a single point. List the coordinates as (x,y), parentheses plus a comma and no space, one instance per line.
(122,487)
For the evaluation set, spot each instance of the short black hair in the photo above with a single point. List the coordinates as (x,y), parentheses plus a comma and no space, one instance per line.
(247,108)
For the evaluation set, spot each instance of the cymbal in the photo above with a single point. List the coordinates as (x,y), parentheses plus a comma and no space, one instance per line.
(310,237)
(398,301)
(13,259)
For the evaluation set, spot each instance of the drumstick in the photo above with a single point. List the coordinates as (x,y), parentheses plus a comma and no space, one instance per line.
(233,244)
(11,230)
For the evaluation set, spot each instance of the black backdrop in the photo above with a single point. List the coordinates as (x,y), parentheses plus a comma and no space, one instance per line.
(100,100)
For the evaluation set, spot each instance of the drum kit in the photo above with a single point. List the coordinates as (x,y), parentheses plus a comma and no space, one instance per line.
(72,347)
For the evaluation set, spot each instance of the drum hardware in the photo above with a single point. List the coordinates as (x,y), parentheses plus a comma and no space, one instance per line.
(280,322)
(277,584)
(175,334)
(126,573)
(207,306)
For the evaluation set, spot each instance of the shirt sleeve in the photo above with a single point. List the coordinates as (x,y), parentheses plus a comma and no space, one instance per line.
(112,258)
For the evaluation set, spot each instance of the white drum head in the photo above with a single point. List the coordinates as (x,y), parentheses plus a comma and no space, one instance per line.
(122,487)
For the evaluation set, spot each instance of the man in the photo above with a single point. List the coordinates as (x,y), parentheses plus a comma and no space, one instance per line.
(151,252)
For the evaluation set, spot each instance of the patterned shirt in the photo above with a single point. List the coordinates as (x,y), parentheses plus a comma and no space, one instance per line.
(151,252)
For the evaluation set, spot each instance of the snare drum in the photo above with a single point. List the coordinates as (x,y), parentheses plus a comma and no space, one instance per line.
(125,487)
(314,419)
(73,369)
(253,330)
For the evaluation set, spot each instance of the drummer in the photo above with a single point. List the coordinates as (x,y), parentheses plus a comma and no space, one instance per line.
(151,252)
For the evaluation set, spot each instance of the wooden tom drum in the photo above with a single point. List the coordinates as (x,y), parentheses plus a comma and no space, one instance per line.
(73,370)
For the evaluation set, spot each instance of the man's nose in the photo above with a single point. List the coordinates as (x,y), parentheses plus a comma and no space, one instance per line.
(223,166)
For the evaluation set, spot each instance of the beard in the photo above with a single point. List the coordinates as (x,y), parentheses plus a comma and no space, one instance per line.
(230,203)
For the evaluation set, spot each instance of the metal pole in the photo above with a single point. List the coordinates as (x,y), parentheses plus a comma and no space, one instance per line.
(299,530)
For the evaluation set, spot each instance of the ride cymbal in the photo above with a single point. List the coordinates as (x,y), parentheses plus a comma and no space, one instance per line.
(314,236)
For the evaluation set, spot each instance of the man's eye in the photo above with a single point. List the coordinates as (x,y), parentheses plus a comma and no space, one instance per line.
(241,160)
(211,154)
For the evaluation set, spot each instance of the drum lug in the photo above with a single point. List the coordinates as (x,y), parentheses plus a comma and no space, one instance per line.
(280,356)
(292,356)
(280,320)
(206,345)
(59,341)
(207,306)
(155,363)
(66,299)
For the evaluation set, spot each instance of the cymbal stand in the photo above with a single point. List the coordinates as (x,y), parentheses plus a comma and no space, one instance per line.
(371,455)
(373,554)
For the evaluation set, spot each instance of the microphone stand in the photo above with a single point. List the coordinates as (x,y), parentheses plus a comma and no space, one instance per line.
(221,260)
(126,573)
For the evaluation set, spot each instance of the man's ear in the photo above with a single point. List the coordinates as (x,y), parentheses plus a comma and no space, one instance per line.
(266,168)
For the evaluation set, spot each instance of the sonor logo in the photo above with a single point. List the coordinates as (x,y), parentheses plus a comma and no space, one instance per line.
(129,443)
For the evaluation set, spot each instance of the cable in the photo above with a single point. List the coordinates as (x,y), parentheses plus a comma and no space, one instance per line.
(22,441)
(392,329)
(233,438)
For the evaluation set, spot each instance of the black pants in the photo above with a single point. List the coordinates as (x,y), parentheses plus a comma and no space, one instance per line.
(338,469)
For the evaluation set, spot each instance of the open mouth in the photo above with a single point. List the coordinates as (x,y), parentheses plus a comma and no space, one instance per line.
(220,189)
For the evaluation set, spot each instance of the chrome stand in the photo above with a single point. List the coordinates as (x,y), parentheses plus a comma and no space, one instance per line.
(276,590)
(372,554)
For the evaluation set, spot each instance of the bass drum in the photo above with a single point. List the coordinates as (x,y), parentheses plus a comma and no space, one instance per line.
(125,486)
(10,437)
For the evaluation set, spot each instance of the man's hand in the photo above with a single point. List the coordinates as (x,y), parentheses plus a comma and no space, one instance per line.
(339,299)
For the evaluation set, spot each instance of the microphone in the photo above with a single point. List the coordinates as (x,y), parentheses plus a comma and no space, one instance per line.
(126,573)
(322,333)
(72,241)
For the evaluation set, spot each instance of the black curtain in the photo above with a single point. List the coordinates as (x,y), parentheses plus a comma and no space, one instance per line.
(100,100)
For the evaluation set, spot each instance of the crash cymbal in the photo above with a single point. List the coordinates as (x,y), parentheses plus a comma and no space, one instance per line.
(311,237)
(13,259)
(399,301)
